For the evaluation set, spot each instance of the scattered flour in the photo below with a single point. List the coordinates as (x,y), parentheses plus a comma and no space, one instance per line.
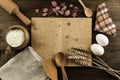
(15,37)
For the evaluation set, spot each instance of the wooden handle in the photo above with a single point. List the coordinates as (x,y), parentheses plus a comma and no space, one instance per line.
(50,68)
(8,50)
(82,3)
(64,74)
(22,17)
(12,8)
(8,5)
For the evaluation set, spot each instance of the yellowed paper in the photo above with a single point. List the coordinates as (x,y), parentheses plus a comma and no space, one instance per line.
(52,35)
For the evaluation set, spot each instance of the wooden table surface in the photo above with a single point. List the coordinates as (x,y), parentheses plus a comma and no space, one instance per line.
(112,51)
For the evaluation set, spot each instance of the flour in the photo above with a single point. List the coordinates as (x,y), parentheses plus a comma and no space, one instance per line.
(15,37)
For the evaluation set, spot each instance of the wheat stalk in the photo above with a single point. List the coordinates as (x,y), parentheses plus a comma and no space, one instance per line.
(78,56)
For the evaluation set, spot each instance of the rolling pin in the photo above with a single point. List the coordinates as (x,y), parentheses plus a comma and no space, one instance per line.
(13,8)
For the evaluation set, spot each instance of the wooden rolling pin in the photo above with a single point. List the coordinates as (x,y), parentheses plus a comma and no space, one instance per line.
(13,8)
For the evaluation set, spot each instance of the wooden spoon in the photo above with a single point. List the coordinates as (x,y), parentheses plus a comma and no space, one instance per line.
(60,59)
(50,68)
(88,12)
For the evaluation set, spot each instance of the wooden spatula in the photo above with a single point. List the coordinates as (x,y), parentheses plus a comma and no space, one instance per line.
(50,68)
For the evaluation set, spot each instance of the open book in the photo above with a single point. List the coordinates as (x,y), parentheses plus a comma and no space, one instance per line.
(52,35)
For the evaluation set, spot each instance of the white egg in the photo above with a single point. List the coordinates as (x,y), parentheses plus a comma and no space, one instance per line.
(97,49)
(102,40)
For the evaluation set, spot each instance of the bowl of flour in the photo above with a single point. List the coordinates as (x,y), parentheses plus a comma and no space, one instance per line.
(17,37)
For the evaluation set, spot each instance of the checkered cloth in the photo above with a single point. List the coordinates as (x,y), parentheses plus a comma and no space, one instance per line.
(104,21)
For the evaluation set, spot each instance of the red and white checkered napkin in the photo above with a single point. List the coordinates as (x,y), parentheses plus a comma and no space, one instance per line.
(104,21)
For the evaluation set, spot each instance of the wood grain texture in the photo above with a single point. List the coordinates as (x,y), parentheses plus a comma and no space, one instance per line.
(112,51)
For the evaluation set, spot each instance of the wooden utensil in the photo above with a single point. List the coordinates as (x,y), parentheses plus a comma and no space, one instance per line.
(12,8)
(88,12)
(9,48)
(60,60)
(50,68)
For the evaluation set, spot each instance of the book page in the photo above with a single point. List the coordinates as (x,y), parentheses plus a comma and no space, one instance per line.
(53,35)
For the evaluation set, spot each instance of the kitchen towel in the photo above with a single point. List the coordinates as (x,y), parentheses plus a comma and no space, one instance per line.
(24,66)
(104,21)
